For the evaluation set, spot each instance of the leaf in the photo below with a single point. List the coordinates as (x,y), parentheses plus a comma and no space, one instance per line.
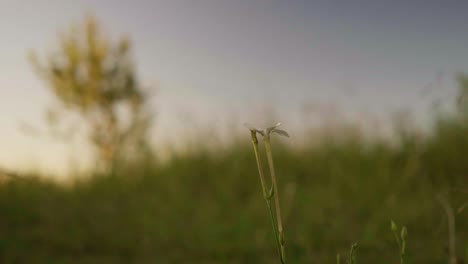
(404,233)
(393,226)
(271,192)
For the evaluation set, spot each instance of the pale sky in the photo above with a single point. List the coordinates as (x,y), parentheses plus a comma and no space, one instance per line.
(213,59)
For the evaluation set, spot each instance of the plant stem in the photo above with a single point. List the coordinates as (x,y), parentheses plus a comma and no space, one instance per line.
(259,163)
(403,245)
(266,193)
(273,223)
(275,194)
(451,228)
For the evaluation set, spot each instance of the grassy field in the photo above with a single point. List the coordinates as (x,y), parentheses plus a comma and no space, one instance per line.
(206,206)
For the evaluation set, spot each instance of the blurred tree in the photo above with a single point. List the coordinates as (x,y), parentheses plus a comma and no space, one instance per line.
(95,78)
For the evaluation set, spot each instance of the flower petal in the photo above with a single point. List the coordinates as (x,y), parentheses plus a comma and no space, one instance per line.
(270,129)
(281,132)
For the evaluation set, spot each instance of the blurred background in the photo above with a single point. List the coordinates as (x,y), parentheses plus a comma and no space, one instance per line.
(122,137)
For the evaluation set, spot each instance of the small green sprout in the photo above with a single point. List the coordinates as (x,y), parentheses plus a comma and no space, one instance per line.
(351,257)
(400,237)
(352,254)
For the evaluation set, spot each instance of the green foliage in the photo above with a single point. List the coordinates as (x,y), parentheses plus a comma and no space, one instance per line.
(206,207)
(94,77)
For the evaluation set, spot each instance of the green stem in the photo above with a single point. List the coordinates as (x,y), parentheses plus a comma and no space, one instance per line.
(273,223)
(276,195)
(259,163)
(266,193)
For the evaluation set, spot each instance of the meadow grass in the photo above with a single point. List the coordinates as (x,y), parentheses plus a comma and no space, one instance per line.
(204,206)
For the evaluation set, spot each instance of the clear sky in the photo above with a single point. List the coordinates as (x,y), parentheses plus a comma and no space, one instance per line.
(211,59)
